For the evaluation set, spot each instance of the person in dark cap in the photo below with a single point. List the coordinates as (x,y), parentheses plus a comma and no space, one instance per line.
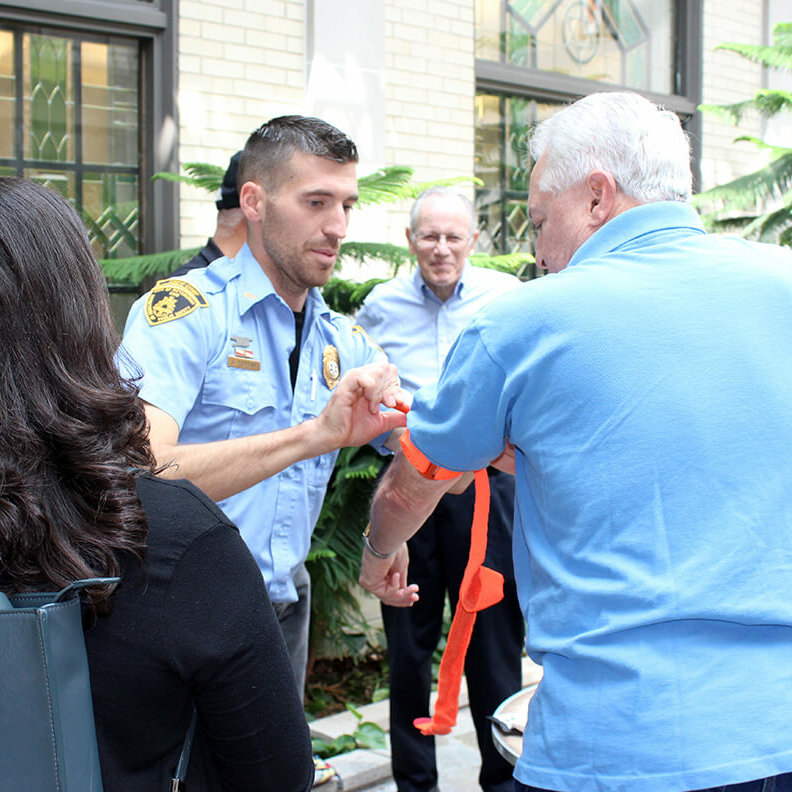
(230,233)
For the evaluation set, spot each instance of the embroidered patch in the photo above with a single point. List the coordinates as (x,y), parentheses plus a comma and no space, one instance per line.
(172,299)
(331,366)
(357,329)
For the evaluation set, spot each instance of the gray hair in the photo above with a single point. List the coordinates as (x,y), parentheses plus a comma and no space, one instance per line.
(447,192)
(642,145)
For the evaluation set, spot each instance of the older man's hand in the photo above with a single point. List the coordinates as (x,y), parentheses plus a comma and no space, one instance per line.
(387,578)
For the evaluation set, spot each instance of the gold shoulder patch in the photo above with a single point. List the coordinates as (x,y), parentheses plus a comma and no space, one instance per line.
(358,329)
(172,299)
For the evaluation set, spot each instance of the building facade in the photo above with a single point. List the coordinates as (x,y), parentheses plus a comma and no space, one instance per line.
(98,95)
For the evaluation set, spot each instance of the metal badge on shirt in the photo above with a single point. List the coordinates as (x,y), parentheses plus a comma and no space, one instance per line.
(172,299)
(331,366)
(243,357)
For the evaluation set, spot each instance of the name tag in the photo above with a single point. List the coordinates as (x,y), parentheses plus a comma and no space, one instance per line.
(244,363)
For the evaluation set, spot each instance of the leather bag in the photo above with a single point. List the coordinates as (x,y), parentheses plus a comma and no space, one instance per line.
(47,733)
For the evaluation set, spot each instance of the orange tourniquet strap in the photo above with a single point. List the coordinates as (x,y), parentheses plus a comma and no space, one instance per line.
(481,587)
(422,464)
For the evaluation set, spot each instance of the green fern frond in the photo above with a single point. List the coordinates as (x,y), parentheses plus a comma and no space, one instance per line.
(768,226)
(768,102)
(199,174)
(346,296)
(389,185)
(774,56)
(731,113)
(771,181)
(394,255)
(135,268)
(513,263)
(386,185)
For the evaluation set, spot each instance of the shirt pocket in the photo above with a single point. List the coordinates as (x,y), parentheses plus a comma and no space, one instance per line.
(246,401)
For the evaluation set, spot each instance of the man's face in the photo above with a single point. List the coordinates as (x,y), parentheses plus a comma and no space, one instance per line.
(562,221)
(442,241)
(302,222)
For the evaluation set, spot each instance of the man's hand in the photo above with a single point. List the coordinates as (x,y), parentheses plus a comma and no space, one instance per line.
(387,578)
(353,416)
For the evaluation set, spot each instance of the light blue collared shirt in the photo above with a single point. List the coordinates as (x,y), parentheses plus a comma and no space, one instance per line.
(416,329)
(193,369)
(647,389)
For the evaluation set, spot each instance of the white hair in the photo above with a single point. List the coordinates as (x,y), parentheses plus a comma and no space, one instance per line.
(445,192)
(641,145)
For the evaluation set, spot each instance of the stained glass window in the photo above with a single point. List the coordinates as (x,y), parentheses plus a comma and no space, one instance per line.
(538,54)
(69,118)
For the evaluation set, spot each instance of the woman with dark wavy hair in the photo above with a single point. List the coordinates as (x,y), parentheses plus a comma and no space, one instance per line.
(190,625)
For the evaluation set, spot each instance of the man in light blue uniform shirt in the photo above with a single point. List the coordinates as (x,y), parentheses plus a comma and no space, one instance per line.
(251,382)
(416,319)
(641,392)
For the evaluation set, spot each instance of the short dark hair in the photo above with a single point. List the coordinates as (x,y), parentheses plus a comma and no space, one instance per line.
(273,143)
(72,430)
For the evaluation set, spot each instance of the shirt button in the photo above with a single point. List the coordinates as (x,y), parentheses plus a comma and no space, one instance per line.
(250,404)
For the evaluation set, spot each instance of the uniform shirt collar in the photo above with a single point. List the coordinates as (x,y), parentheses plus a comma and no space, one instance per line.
(640,221)
(255,286)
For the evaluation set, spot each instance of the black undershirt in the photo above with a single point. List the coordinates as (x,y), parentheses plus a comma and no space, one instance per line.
(294,358)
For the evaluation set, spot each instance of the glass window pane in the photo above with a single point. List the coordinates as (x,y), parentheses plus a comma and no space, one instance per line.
(110,103)
(111,213)
(7,93)
(503,164)
(49,117)
(625,42)
(62,182)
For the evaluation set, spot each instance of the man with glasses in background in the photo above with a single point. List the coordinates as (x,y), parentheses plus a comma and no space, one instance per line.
(415,319)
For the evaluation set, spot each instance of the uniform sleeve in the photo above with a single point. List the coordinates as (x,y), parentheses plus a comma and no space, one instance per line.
(368,317)
(227,643)
(170,358)
(461,422)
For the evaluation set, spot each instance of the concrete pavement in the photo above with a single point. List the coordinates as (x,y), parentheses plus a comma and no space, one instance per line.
(457,753)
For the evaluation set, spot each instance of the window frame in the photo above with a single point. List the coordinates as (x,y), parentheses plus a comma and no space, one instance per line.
(153,24)
(506,80)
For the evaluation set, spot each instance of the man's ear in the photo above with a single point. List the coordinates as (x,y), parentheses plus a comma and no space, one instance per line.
(410,243)
(251,201)
(602,194)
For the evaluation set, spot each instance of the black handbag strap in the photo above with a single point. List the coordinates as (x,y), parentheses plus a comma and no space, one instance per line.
(184,759)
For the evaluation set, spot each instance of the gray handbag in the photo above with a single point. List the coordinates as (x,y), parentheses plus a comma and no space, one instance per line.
(47,733)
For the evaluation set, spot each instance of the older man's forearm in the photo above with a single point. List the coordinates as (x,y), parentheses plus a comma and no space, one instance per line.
(402,503)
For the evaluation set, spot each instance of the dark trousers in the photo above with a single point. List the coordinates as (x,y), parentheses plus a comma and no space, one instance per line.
(438,555)
(779,783)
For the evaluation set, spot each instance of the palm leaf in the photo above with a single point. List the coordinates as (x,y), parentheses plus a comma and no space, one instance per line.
(135,268)
(199,174)
(346,296)
(393,255)
(384,186)
(392,184)
(769,182)
(774,56)
(731,113)
(513,263)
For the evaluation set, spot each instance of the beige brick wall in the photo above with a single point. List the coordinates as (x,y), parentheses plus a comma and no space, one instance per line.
(728,78)
(240,62)
(243,61)
(429,92)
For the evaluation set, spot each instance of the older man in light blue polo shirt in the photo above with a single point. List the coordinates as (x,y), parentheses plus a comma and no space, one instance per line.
(641,393)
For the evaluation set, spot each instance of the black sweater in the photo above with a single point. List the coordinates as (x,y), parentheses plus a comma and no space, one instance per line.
(194,624)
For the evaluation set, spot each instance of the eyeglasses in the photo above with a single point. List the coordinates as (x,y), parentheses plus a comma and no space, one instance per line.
(430,241)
